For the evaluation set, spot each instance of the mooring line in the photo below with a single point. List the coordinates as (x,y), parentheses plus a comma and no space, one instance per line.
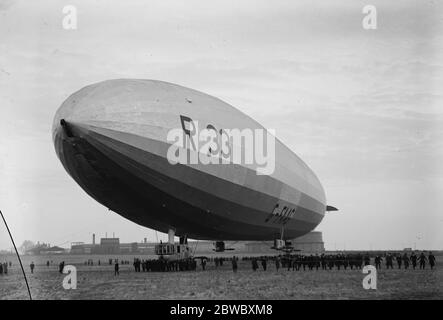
(18,256)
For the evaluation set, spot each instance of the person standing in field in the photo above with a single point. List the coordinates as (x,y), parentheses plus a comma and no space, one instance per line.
(116,269)
(289,262)
(413,259)
(61,266)
(431,260)
(422,260)
(377,262)
(398,258)
(234,264)
(406,260)
(389,261)
(254,264)
(263,264)
(32,266)
(277,263)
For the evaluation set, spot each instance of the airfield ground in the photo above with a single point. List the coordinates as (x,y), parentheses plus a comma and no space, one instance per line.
(99,282)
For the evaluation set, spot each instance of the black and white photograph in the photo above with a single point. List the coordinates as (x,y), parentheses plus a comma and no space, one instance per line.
(245,151)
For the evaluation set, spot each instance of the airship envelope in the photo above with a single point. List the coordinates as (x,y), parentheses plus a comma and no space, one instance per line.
(168,157)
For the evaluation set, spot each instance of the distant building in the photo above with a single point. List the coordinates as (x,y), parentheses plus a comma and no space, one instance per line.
(108,246)
(80,248)
(307,244)
(112,246)
(310,243)
(45,248)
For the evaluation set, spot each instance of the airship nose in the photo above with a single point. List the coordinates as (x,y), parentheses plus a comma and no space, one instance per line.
(63,134)
(77,108)
(66,128)
(63,138)
(61,131)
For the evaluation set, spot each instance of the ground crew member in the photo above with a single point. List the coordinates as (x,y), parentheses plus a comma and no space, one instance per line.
(431,260)
(413,260)
(263,264)
(234,264)
(422,260)
(116,269)
(277,263)
(406,261)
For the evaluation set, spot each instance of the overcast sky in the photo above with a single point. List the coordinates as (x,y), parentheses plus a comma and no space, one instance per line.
(363,108)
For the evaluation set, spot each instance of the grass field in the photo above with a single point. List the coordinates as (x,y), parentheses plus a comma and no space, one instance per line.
(99,282)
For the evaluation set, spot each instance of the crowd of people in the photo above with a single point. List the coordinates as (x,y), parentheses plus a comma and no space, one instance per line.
(399,260)
(4,267)
(297,262)
(345,261)
(164,265)
(158,265)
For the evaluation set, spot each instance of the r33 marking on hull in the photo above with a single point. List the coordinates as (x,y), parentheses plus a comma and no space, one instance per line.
(281,214)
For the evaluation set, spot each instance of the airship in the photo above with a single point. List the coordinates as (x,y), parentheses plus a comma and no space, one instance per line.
(132,145)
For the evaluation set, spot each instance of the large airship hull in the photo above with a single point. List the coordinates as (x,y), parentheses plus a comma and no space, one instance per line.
(112,139)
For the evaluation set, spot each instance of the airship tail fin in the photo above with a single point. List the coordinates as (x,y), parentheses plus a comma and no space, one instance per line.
(331,208)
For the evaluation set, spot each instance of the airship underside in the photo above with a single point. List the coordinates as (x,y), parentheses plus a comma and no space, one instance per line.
(112,138)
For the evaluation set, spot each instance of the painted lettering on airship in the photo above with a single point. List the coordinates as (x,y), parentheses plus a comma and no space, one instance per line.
(281,214)
(217,142)
(242,146)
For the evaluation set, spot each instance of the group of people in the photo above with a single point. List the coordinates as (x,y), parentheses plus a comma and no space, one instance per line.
(4,267)
(114,261)
(164,265)
(296,262)
(344,261)
(158,265)
(290,262)
(406,260)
